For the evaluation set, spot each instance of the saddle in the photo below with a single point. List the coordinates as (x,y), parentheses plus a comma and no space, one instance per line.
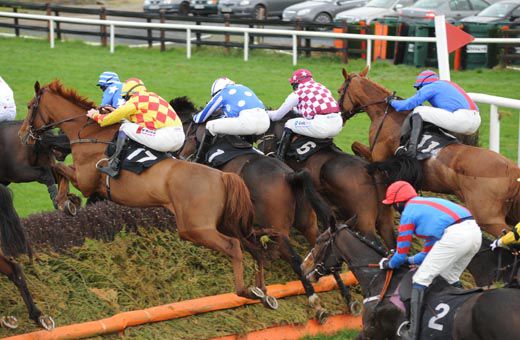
(304,147)
(226,148)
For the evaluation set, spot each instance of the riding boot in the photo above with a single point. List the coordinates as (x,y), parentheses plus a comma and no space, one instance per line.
(114,162)
(204,146)
(416,123)
(284,144)
(416,302)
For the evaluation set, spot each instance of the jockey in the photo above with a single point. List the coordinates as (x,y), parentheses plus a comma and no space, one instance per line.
(148,120)
(7,104)
(242,114)
(111,86)
(512,238)
(452,238)
(452,109)
(312,100)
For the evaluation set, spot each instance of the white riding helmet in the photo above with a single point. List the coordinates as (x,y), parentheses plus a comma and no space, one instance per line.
(219,84)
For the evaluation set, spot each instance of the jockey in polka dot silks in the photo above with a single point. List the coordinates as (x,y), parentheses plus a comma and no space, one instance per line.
(147,119)
(452,238)
(242,114)
(452,109)
(7,104)
(312,100)
(111,86)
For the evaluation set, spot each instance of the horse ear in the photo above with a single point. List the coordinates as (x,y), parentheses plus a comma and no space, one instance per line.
(364,72)
(344,72)
(37,87)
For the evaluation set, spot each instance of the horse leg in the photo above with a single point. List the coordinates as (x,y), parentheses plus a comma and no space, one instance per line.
(385,225)
(489,215)
(362,151)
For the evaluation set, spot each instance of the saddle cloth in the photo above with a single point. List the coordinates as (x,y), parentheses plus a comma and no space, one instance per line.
(227,148)
(304,147)
(137,157)
(441,302)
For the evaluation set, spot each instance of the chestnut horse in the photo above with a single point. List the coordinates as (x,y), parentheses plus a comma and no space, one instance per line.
(14,243)
(211,208)
(484,180)
(282,198)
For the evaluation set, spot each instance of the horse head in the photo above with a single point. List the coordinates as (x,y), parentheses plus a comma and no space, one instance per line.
(185,109)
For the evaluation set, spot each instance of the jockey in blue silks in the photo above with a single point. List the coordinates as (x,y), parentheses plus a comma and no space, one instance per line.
(111,86)
(452,109)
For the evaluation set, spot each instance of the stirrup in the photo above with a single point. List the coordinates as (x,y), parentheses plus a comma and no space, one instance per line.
(109,171)
(403,327)
(400,150)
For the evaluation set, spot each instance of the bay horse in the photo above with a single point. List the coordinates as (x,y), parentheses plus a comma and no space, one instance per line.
(35,163)
(211,208)
(345,183)
(484,180)
(282,198)
(14,243)
(484,315)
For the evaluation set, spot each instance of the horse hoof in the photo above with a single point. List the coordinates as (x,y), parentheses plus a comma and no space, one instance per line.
(257,292)
(70,208)
(355,308)
(9,322)
(47,322)
(322,315)
(270,302)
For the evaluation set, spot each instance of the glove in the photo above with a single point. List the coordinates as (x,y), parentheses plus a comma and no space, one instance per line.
(389,99)
(496,243)
(91,113)
(383,264)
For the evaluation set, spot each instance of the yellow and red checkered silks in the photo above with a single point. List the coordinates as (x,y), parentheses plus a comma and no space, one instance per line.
(144,108)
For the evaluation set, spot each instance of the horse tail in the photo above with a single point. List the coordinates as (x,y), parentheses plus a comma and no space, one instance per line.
(399,168)
(301,182)
(12,236)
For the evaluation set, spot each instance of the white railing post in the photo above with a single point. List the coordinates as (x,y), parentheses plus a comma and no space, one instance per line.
(494,129)
(294,50)
(443,57)
(246,46)
(369,52)
(51,32)
(112,38)
(188,43)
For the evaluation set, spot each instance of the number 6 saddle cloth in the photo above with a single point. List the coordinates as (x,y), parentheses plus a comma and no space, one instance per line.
(441,302)
(304,147)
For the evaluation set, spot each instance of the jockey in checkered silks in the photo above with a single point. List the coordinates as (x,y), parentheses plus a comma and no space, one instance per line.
(320,111)
(242,114)
(147,119)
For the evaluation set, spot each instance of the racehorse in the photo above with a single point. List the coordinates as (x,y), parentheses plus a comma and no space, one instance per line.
(343,180)
(28,163)
(14,243)
(484,180)
(282,198)
(211,208)
(484,315)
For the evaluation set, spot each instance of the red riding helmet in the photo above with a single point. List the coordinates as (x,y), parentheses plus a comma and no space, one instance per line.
(399,191)
(300,76)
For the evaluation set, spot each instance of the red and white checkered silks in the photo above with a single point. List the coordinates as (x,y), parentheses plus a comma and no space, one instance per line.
(300,76)
(315,99)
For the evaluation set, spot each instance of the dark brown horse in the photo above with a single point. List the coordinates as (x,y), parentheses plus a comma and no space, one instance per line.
(484,180)
(344,181)
(484,315)
(211,208)
(35,163)
(14,243)
(282,198)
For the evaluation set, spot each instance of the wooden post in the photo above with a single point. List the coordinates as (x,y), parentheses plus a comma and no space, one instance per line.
(48,12)
(298,27)
(58,30)
(103,28)
(344,55)
(149,33)
(363,30)
(162,19)
(226,36)
(198,35)
(16,22)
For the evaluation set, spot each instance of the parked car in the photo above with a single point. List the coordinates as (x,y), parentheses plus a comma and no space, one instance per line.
(373,10)
(507,11)
(259,9)
(204,7)
(454,10)
(171,6)
(319,11)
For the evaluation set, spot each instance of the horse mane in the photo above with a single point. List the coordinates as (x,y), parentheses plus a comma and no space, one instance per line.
(70,94)
(184,107)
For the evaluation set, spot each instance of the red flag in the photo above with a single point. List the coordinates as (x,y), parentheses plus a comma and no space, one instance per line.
(457,37)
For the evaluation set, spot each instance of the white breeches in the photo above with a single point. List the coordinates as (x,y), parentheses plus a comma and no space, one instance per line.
(462,121)
(249,122)
(7,109)
(321,126)
(451,254)
(163,139)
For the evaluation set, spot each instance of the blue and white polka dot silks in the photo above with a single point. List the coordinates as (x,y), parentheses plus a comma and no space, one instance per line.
(233,99)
